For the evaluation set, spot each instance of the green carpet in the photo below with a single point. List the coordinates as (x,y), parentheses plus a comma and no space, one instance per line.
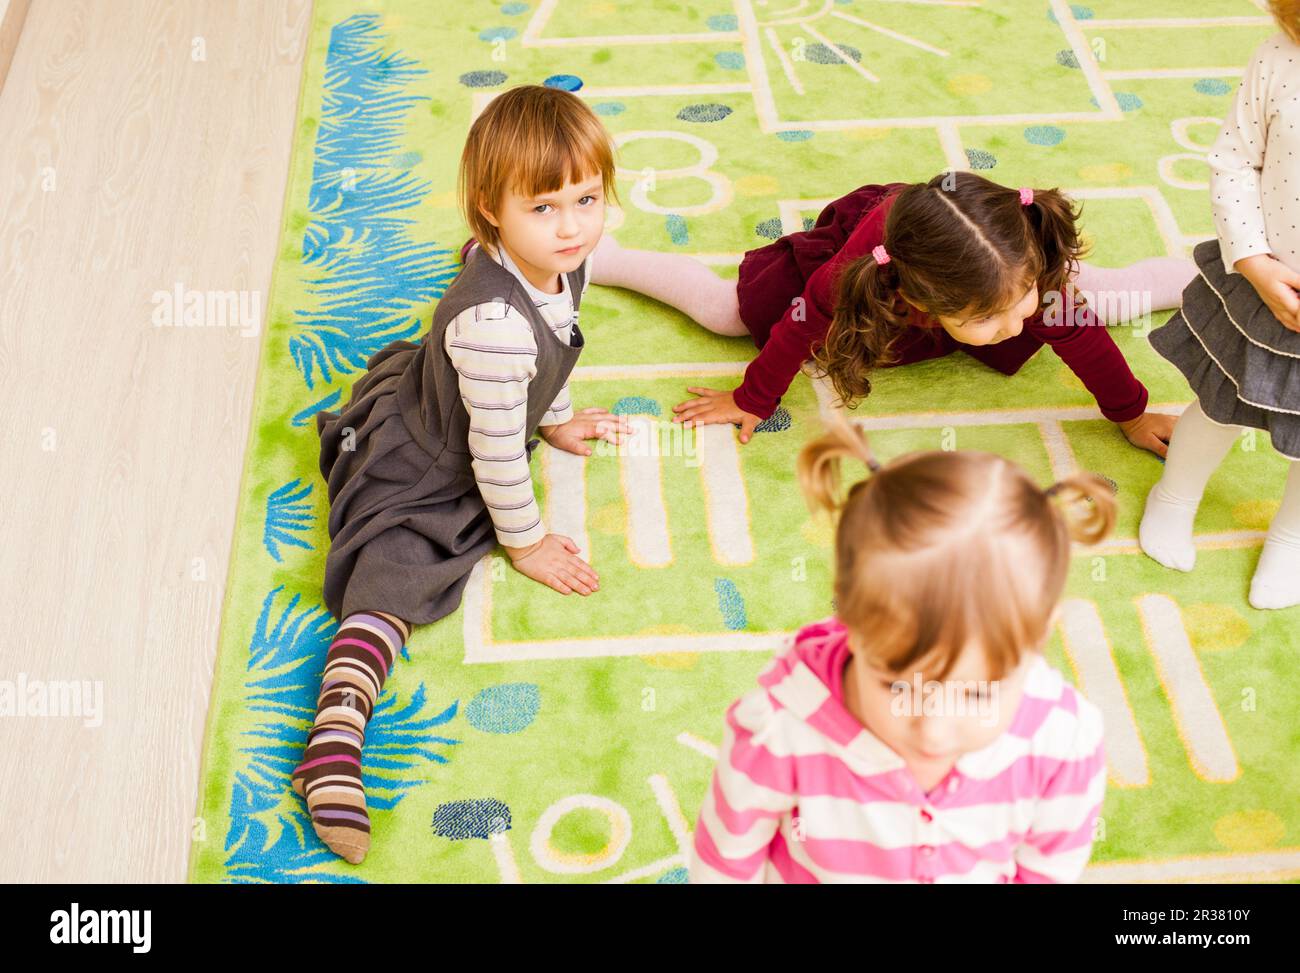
(540,738)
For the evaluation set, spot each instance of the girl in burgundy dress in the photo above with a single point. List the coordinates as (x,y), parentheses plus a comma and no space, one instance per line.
(896,273)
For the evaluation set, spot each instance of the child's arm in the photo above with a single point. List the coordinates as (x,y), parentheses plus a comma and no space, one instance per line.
(751,790)
(790,343)
(492,348)
(561,409)
(1059,841)
(1081,340)
(1235,160)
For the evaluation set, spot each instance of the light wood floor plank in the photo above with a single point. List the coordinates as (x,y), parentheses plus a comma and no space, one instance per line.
(127,167)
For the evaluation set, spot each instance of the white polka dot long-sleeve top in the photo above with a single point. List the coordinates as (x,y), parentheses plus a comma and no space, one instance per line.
(1255,162)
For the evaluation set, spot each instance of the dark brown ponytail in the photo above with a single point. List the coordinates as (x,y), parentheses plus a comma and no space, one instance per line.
(1054,218)
(863,329)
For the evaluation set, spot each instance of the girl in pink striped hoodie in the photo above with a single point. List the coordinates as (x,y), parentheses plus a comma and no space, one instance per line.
(919,735)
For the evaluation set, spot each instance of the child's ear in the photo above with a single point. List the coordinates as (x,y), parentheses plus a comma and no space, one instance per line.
(488,216)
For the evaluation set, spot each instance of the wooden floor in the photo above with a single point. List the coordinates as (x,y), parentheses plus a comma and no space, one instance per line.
(129,165)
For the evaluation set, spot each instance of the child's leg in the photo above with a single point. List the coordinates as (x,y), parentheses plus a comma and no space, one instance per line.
(674,278)
(1277,576)
(329,776)
(1164,277)
(1197,448)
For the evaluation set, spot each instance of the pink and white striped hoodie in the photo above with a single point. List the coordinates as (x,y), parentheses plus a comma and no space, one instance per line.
(803,792)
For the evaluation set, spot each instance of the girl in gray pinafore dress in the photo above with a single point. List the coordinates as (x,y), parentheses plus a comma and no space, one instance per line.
(407,522)
(409,517)
(1240,357)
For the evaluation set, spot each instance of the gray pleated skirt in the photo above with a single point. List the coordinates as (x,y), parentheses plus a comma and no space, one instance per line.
(405,531)
(1241,362)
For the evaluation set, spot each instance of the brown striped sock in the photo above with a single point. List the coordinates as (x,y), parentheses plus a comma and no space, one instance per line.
(329,776)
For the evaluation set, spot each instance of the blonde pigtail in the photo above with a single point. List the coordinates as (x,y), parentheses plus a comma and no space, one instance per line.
(819,463)
(1087,504)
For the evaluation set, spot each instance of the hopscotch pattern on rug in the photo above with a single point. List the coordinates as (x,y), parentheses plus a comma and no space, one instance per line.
(1199,723)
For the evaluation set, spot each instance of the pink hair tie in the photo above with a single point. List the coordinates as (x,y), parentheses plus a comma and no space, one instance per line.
(881,256)
(1026,196)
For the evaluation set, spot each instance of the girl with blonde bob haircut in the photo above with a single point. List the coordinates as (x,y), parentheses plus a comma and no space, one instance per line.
(428,463)
(919,734)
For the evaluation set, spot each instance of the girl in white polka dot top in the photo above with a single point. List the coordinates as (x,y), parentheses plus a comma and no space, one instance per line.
(1237,335)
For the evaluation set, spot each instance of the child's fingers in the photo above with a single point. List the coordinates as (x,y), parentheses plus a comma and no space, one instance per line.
(701,391)
(583,571)
(567,543)
(692,409)
(1158,446)
(577,584)
(558,584)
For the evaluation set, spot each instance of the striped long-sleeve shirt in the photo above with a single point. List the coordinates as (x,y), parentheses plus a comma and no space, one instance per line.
(495,354)
(802,792)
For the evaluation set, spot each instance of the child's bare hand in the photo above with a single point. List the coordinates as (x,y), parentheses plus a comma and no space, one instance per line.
(555,563)
(1151,430)
(590,423)
(1276,284)
(715,406)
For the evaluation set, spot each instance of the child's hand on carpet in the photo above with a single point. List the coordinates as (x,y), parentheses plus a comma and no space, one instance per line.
(590,423)
(715,406)
(1276,284)
(1151,430)
(555,563)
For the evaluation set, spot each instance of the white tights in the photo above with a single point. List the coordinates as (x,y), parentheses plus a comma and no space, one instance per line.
(1197,448)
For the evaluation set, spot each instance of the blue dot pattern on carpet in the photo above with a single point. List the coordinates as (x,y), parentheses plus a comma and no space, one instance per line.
(979,159)
(677,232)
(610,108)
(1044,135)
(1079,10)
(722,22)
(507,708)
(498,34)
(405,160)
(711,112)
(808,223)
(795,135)
(482,79)
(476,818)
(770,229)
(778,421)
(731,60)
(730,603)
(821,54)
(565,82)
(678,876)
(1067,59)
(1212,86)
(511,9)
(1126,100)
(636,405)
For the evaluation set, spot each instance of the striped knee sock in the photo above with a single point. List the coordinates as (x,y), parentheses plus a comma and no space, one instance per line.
(329,776)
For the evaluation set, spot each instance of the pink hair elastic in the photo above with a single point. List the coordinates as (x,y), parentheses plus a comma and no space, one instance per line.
(879,253)
(1026,196)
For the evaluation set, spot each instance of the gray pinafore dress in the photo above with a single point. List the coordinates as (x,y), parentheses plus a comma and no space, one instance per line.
(1242,363)
(406,521)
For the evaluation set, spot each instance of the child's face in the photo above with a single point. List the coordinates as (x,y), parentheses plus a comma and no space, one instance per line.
(929,723)
(552,233)
(994,328)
